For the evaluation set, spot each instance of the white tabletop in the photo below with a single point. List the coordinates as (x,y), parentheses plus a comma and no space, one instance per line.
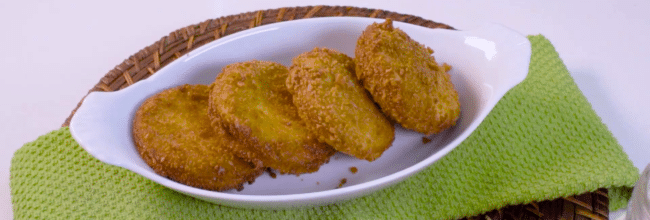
(53,52)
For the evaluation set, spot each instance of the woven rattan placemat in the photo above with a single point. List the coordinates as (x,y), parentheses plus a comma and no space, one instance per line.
(591,205)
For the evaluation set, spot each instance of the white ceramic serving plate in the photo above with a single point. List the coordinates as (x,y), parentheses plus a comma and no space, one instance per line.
(487,62)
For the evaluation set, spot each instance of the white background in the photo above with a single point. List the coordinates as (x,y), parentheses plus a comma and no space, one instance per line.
(53,52)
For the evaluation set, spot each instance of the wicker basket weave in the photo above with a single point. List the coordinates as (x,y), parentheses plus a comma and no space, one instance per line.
(591,205)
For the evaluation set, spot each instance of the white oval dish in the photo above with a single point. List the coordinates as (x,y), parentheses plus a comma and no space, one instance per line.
(487,62)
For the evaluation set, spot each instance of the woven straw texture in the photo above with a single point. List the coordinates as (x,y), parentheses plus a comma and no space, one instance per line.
(580,158)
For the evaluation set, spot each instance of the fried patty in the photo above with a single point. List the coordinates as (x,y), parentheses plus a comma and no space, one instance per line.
(335,106)
(174,136)
(250,99)
(405,80)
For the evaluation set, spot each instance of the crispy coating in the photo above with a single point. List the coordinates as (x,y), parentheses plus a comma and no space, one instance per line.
(251,101)
(173,134)
(405,80)
(335,106)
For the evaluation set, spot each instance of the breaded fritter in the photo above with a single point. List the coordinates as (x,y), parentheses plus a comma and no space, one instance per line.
(251,101)
(405,80)
(335,106)
(173,134)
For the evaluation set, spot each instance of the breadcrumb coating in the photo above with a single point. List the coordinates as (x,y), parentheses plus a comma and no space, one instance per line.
(173,135)
(336,107)
(405,80)
(250,99)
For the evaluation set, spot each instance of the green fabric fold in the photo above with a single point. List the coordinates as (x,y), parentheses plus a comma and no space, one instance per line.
(542,141)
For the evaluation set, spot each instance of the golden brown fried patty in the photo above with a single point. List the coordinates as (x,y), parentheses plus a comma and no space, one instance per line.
(405,80)
(173,134)
(335,106)
(251,101)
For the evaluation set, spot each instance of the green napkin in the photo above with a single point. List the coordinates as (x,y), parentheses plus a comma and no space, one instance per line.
(542,141)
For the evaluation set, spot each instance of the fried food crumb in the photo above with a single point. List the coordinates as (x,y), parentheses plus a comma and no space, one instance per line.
(271,173)
(353,170)
(343,181)
(425,140)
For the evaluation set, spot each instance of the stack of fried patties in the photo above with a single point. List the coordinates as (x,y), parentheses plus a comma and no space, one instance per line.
(261,115)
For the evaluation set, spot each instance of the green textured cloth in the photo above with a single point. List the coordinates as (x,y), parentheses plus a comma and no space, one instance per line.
(542,141)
